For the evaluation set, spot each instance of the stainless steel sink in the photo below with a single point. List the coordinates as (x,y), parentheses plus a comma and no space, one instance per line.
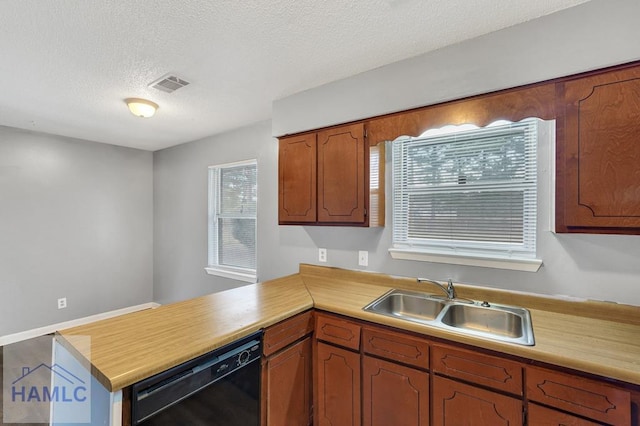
(406,304)
(492,321)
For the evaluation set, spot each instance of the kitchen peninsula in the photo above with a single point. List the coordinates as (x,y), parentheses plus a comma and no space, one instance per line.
(595,339)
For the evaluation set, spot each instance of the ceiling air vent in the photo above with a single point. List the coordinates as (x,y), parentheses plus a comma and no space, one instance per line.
(169,83)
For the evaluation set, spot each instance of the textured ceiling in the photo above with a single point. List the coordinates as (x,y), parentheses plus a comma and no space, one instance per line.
(66,66)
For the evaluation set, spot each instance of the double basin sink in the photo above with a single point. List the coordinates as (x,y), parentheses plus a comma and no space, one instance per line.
(492,321)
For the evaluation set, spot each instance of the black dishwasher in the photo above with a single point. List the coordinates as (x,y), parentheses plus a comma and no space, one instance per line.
(219,388)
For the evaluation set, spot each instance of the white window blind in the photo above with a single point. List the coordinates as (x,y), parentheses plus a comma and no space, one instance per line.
(471,192)
(233,200)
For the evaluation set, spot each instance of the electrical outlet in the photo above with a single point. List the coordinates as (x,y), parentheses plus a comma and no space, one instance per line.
(363,258)
(322,255)
(62,303)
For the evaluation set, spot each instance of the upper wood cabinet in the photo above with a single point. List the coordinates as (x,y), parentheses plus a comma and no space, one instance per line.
(297,179)
(598,153)
(324,178)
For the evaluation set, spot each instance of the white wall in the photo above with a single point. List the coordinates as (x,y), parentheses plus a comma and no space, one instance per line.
(75,222)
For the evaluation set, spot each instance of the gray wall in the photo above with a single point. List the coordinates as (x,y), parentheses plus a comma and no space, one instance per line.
(75,222)
(592,35)
(180,211)
(603,267)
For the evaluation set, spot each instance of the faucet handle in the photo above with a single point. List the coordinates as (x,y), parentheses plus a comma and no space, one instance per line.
(451,291)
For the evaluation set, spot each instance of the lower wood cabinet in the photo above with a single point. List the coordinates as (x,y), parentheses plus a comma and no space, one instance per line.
(287,372)
(543,416)
(362,373)
(393,394)
(288,385)
(592,399)
(456,403)
(337,386)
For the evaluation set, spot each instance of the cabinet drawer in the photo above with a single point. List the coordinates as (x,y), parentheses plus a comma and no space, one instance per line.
(585,397)
(497,373)
(338,331)
(396,347)
(542,416)
(286,332)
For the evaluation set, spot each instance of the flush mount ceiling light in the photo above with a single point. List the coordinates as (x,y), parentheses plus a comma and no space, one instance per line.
(141,107)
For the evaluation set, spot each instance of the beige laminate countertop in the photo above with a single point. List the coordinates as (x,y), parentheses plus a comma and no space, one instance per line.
(594,337)
(132,347)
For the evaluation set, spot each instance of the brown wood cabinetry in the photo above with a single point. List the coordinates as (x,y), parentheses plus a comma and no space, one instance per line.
(287,377)
(297,165)
(287,372)
(585,397)
(598,152)
(456,403)
(478,368)
(337,374)
(323,178)
(387,385)
(375,375)
(338,331)
(543,416)
(337,386)
(393,394)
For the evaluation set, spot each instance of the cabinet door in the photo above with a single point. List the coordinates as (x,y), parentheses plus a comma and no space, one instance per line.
(393,394)
(287,379)
(542,416)
(457,404)
(297,179)
(337,386)
(599,152)
(585,397)
(342,175)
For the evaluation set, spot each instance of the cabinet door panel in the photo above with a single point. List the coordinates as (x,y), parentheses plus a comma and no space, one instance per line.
(297,179)
(579,395)
(602,150)
(288,383)
(393,394)
(337,386)
(542,416)
(338,331)
(456,404)
(286,332)
(479,368)
(341,174)
(396,347)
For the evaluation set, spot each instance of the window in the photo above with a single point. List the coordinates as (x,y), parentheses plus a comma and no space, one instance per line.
(467,196)
(233,200)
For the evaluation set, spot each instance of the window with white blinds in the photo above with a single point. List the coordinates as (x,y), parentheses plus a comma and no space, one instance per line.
(233,198)
(467,192)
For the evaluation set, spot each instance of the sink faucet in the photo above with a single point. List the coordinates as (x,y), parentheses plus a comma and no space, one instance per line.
(448,289)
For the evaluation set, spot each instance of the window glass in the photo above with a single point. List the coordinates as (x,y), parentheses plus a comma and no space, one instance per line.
(233,201)
(471,191)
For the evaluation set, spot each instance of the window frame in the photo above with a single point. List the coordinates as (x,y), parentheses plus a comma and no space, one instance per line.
(462,253)
(213,267)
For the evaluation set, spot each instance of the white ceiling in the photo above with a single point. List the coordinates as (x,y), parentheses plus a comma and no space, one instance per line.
(66,66)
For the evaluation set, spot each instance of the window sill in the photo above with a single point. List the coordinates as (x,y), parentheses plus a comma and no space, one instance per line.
(514,264)
(234,275)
